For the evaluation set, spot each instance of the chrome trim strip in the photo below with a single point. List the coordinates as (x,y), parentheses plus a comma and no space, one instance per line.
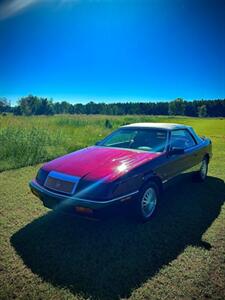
(34,184)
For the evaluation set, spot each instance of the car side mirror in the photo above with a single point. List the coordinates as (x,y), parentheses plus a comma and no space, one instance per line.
(176,151)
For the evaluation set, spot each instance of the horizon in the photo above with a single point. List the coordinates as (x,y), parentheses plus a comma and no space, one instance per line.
(14,102)
(105,51)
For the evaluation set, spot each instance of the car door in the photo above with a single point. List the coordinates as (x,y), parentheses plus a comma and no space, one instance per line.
(178,164)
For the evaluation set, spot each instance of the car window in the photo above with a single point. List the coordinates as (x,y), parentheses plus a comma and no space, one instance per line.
(153,140)
(181,139)
(123,137)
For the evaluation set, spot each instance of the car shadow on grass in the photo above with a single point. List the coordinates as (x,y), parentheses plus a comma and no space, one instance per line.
(108,259)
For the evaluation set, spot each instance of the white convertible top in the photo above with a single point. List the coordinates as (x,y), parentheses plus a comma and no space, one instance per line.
(169,126)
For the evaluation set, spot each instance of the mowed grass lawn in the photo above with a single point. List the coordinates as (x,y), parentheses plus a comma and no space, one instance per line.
(180,254)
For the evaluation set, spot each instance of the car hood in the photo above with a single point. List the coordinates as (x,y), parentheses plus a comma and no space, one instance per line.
(96,163)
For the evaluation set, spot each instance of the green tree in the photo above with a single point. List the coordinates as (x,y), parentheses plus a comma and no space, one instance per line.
(177,107)
(17,111)
(29,105)
(33,105)
(4,105)
(202,111)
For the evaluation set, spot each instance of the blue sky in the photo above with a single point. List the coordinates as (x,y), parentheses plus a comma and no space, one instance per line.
(104,50)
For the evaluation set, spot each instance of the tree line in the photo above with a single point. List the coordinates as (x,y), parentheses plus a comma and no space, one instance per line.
(33,105)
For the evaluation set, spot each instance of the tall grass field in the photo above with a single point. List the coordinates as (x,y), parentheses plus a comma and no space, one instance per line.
(180,254)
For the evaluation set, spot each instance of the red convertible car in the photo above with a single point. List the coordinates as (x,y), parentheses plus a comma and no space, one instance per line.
(135,163)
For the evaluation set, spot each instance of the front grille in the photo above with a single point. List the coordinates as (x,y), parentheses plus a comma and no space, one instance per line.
(59,185)
(61,182)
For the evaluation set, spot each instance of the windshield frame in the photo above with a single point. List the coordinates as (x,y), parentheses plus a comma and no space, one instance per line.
(101,142)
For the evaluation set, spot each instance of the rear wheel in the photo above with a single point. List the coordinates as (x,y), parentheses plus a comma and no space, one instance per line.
(147,201)
(202,173)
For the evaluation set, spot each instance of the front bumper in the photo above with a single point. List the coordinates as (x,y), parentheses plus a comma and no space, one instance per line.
(52,200)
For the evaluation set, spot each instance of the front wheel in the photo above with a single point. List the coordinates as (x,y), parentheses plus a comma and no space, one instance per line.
(147,201)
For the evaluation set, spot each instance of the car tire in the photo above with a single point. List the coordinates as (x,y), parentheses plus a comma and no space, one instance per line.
(147,202)
(201,175)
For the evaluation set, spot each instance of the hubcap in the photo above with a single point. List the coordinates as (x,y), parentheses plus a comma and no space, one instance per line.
(203,170)
(148,202)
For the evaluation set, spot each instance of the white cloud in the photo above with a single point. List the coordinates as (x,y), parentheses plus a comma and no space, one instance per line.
(12,7)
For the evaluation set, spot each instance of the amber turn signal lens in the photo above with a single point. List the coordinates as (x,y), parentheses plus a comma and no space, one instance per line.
(85,210)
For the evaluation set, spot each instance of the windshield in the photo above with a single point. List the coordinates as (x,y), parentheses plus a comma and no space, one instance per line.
(145,139)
